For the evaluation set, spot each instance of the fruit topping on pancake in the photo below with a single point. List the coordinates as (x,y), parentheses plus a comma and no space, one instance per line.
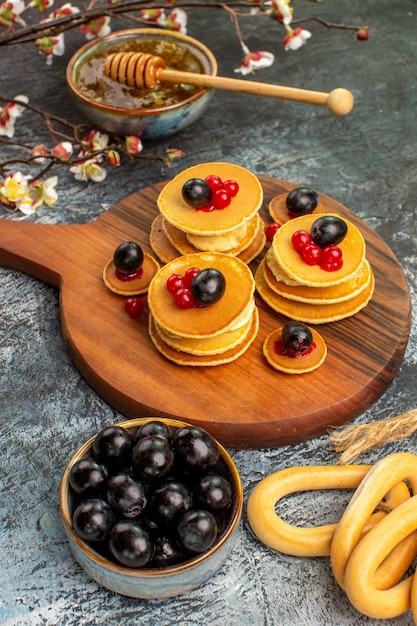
(295,348)
(297,202)
(130,270)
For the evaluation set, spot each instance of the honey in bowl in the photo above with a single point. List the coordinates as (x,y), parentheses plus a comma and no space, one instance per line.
(93,84)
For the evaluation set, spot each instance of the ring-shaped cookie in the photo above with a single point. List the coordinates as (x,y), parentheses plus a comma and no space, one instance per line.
(384,475)
(312,541)
(367,556)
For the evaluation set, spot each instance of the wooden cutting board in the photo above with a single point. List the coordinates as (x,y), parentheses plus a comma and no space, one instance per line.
(245,404)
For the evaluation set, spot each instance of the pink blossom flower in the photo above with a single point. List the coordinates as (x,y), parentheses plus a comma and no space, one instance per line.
(95,140)
(113,158)
(177,20)
(50,46)
(173,154)
(40,152)
(254,61)
(294,39)
(281,11)
(63,150)
(133,144)
(362,34)
(9,114)
(41,5)
(89,170)
(99,27)
(10,12)
(154,16)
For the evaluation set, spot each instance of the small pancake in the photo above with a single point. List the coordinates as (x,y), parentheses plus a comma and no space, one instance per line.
(294,365)
(208,345)
(243,206)
(236,304)
(160,243)
(312,313)
(182,358)
(352,246)
(321,295)
(181,242)
(135,287)
(278,209)
(277,271)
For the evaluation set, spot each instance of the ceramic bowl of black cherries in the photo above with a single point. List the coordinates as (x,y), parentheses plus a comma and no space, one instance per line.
(151,506)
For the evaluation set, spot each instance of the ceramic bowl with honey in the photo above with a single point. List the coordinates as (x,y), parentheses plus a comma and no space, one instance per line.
(149,113)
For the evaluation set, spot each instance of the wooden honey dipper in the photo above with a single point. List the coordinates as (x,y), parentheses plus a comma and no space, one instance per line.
(139,69)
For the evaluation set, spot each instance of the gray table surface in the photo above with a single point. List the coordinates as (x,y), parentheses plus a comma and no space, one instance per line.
(367,161)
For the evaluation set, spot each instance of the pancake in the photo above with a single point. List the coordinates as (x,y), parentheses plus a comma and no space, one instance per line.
(207,345)
(320,295)
(294,365)
(278,209)
(230,312)
(182,358)
(229,243)
(135,287)
(352,246)
(243,206)
(160,243)
(312,313)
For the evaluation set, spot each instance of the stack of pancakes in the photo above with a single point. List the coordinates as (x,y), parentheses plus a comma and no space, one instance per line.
(210,335)
(236,230)
(308,293)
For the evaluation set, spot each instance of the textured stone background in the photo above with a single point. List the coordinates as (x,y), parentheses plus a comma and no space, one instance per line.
(367,161)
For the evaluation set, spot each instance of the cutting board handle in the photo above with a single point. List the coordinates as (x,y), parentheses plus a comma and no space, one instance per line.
(43,251)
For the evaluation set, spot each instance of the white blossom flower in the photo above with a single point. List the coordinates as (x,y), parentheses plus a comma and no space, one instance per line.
(177,20)
(294,39)
(10,12)
(43,191)
(254,61)
(98,27)
(9,114)
(281,10)
(89,170)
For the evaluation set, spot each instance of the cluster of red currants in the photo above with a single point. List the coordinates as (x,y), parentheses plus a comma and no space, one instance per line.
(209,194)
(180,287)
(329,258)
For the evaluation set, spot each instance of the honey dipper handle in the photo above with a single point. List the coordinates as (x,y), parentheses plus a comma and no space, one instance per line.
(138,69)
(339,101)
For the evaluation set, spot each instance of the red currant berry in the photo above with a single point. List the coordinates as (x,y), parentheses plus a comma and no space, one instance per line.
(174,283)
(134,306)
(189,276)
(221,199)
(331,254)
(231,187)
(214,182)
(184,299)
(300,239)
(312,254)
(271,230)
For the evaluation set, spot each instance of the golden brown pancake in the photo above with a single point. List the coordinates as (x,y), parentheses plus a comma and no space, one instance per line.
(278,209)
(207,345)
(312,313)
(352,246)
(135,287)
(160,243)
(320,295)
(230,312)
(182,358)
(243,206)
(294,365)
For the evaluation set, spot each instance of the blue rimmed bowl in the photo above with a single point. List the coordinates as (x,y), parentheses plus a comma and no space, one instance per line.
(145,122)
(157,582)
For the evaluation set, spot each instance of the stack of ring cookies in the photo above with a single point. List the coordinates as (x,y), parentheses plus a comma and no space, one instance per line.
(370,552)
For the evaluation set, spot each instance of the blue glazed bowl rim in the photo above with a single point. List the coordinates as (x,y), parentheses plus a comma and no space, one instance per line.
(77,57)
